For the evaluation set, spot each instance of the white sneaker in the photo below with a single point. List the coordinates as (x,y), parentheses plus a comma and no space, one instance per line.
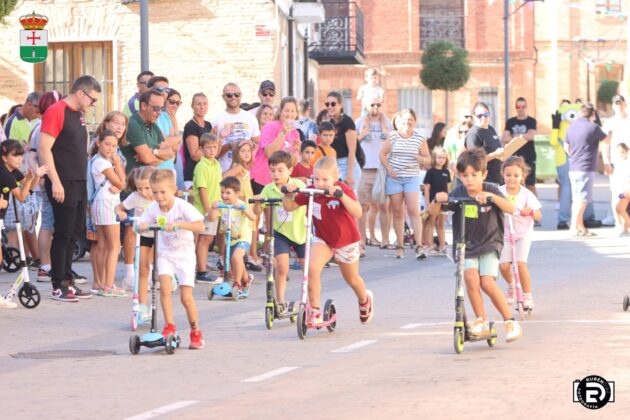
(528,302)
(479,327)
(513,330)
(510,294)
(128,282)
(7,304)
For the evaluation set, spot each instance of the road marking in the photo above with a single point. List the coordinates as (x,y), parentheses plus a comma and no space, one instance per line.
(271,374)
(357,345)
(423,324)
(532,321)
(162,410)
(405,334)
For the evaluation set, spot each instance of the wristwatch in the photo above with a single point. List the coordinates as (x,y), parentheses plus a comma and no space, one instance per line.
(156,152)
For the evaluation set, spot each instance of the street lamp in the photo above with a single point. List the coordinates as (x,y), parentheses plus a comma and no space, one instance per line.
(506,48)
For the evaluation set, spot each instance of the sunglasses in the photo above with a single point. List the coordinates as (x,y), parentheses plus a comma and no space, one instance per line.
(174,102)
(375,105)
(92,100)
(463,131)
(330,104)
(233,95)
(142,83)
(162,89)
(484,115)
(156,108)
(521,106)
(271,94)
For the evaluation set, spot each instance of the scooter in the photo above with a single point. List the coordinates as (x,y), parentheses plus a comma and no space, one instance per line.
(305,318)
(462,328)
(223,289)
(520,300)
(153,338)
(136,316)
(27,294)
(271,313)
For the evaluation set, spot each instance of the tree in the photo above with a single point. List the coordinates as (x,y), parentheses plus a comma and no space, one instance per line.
(444,67)
(606,91)
(6,7)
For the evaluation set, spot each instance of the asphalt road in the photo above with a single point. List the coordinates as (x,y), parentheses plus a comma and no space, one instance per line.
(64,360)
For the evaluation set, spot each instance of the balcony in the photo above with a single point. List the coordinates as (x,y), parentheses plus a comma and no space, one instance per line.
(339,40)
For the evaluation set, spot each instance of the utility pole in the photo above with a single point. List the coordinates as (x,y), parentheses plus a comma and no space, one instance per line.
(506,57)
(144,35)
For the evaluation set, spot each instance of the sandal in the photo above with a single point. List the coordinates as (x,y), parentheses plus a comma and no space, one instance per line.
(420,253)
(387,246)
(370,242)
(400,255)
(361,251)
(113,291)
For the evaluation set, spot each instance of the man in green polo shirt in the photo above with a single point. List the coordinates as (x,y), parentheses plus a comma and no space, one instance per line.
(20,124)
(143,135)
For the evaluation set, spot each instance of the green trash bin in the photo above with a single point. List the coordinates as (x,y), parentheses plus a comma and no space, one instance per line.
(545,159)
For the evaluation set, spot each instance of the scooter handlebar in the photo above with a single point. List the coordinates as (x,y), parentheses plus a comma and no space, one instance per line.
(154,228)
(232,206)
(314,191)
(265,200)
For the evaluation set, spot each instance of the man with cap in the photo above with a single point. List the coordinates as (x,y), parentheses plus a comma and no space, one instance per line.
(266,94)
(617,128)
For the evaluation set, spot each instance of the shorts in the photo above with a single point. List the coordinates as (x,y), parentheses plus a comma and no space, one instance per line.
(283,245)
(256,187)
(366,185)
(103,212)
(240,245)
(522,250)
(407,184)
(146,241)
(28,212)
(211,227)
(487,264)
(48,220)
(347,254)
(183,270)
(188,184)
(531,177)
(581,185)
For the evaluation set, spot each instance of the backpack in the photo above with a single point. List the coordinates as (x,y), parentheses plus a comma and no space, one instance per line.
(92,188)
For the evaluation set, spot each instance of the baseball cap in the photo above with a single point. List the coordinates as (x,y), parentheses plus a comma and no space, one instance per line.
(618,98)
(267,84)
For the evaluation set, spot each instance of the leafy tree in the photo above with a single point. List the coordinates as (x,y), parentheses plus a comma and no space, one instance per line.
(606,91)
(6,7)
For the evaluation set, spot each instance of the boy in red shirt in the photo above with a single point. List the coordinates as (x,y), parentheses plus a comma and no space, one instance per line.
(303,170)
(336,234)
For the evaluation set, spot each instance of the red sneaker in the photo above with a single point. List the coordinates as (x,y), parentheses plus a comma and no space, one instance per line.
(169,329)
(196,340)
(366,310)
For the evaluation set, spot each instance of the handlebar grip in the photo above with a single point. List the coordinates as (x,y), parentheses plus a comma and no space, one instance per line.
(154,228)
(264,200)
(338,193)
(284,189)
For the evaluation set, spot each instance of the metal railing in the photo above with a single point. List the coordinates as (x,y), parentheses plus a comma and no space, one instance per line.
(341,34)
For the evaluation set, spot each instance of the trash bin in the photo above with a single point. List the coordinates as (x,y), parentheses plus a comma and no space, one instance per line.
(545,159)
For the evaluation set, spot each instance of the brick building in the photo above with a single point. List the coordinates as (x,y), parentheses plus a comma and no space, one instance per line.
(199,45)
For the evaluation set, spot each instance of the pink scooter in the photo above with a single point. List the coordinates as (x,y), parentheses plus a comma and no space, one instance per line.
(520,300)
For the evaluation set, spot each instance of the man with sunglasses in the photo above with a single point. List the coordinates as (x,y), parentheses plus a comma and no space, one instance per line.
(266,95)
(172,139)
(133,104)
(525,126)
(63,148)
(233,124)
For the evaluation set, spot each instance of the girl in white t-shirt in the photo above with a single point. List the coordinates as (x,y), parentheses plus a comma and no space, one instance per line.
(515,170)
(108,175)
(140,197)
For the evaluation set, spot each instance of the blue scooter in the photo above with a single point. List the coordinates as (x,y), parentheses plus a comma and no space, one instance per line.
(153,338)
(223,289)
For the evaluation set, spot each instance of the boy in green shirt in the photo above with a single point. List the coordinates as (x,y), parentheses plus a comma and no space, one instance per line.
(289,229)
(206,190)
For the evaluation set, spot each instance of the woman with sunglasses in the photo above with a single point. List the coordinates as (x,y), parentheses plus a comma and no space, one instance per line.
(345,143)
(403,155)
(193,130)
(483,136)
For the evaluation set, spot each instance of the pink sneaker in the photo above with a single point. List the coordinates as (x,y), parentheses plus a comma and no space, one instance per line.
(366,310)
(510,294)
(316,316)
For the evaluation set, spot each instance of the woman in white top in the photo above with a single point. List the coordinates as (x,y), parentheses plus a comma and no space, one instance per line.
(403,155)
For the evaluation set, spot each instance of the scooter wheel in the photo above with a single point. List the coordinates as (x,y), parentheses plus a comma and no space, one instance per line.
(11,260)
(235,293)
(291,310)
(168,344)
(134,322)
(178,341)
(329,313)
(29,296)
(269,317)
(493,335)
(458,340)
(134,344)
(626,302)
(301,322)
(210,293)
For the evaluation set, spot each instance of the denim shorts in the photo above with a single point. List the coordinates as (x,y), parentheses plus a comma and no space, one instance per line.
(486,264)
(581,185)
(283,245)
(240,245)
(402,185)
(48,220)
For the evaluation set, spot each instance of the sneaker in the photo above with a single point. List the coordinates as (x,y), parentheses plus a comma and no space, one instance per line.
(366,310)
(254,266)
(510,294)
(64,294)
(80,293)
(295,265)
(281,308)
(420,254)
(7,304)
(208,278)
(128,282)
(513,330)
(169,329)
(480,327)
(143,311)
(78,278)
(220,265)
(248,282)
(43,275)
(196,340)
(316,316)
(562,226)
(433,252)
(34,265)
(528,302)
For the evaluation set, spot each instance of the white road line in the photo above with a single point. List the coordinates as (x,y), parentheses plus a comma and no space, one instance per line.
(423,324)
(354,346)
(162,410)
(531,321)
(405,334)
(271,374)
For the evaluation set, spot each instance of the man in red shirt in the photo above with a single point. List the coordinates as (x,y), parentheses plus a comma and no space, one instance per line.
(63,148)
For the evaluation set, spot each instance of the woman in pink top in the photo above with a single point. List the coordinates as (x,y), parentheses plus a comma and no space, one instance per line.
(279,134)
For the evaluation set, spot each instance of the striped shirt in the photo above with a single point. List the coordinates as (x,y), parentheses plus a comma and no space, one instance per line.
(403,154)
